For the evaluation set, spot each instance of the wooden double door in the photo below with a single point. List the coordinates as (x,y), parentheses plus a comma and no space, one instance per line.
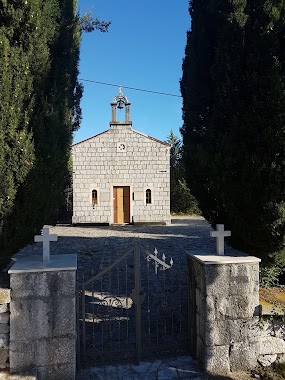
(121,199)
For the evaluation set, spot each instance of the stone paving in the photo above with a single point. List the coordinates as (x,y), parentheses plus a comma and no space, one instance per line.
(98,245)
(183,367)
(95,245)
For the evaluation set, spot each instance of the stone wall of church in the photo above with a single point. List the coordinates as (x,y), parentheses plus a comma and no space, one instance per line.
(121,157)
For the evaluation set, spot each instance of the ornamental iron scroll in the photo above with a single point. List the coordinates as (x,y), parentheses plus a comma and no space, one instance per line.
(159,263)
(109,308)
(133,307)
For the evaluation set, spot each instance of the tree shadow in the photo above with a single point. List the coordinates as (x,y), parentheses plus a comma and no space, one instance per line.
(99,246)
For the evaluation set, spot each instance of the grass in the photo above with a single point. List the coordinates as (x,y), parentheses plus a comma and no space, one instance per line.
(272,296)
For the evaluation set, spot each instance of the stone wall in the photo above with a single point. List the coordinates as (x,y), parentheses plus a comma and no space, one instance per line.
(4,326)
(272,339)
(43,322)
(224,291)
(99,164)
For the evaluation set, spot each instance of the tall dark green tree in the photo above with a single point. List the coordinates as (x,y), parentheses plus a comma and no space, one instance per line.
(54,118)
(40,108)
(181,200)
(22,51)
(234,121)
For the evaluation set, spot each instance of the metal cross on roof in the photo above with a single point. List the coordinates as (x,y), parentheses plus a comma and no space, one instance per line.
(45,238)
(220,235)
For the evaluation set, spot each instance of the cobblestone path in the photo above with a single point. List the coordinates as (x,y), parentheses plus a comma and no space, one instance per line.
(97,244)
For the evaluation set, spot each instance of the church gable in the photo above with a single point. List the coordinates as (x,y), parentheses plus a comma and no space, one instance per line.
(121,175)
(89,139)
(97,138)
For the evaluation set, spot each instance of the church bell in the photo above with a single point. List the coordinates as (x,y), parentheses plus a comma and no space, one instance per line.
(120,104)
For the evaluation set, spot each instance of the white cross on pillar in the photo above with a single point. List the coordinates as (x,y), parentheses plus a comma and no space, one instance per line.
(45,238)
(220,235)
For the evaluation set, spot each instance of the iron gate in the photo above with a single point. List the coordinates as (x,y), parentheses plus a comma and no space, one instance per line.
(135,308)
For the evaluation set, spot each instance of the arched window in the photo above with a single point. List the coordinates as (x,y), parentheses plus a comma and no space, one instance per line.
(148,196)
(94,197)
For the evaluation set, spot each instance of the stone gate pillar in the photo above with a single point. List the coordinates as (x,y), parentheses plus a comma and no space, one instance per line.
(43,316)
(224,315)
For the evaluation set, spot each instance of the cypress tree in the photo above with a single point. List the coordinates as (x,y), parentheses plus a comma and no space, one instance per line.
(54,119)
(19,40)
(181,200)
(40,104)
(234,118)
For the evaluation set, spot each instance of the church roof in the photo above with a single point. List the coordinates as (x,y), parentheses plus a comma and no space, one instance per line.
(133,130)
(89,138)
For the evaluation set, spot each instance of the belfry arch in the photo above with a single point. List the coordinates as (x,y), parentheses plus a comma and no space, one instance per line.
(121,101)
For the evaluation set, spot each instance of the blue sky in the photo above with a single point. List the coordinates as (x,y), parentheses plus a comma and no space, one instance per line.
(144,49)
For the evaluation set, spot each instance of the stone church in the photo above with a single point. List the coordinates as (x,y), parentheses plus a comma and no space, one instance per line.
(121,175)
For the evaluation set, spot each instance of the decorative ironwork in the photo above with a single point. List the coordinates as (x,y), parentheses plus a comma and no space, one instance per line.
(159,263)
(128,312)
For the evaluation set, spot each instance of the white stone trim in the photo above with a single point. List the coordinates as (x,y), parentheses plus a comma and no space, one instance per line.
(36,264)
(139,196)
(210,258)
(144,196)
(91,188)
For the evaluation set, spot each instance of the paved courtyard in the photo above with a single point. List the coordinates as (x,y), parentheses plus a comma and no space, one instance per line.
(97,246)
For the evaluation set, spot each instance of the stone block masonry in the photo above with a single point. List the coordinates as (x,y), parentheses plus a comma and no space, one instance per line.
(224,299)
(272,340)
(4,326)
(99,165)
(43,321)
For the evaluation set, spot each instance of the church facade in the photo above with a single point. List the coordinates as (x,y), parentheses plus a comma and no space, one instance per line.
(121,175)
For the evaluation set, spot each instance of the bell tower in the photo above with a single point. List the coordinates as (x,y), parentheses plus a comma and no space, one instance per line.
(120,101)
